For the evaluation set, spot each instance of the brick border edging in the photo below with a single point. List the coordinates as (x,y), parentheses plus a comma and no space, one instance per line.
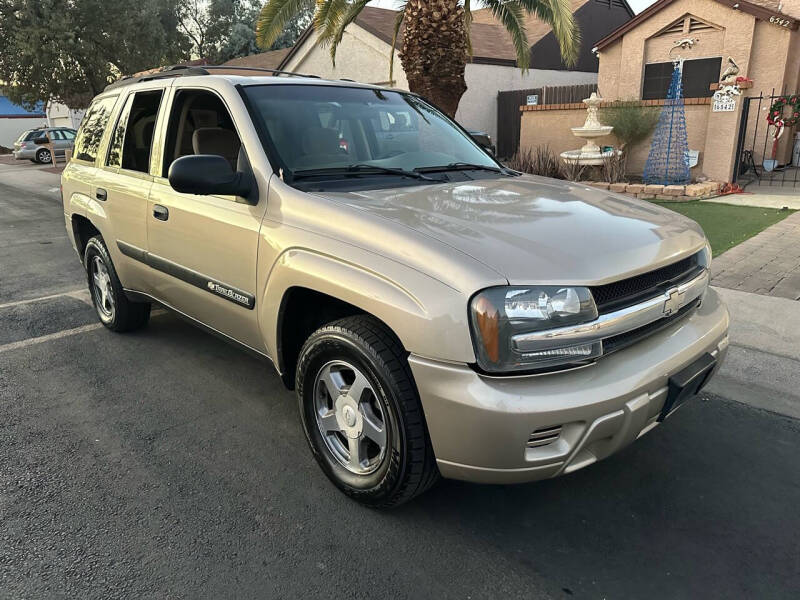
(610,104)
(673,193)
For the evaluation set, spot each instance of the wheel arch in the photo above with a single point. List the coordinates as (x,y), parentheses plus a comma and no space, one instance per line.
(82,230)
(306,289)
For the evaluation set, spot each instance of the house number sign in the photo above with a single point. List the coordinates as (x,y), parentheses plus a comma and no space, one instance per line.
(781,21)
(725,103)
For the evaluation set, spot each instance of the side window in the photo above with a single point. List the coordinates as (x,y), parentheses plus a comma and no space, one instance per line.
(139,128)
(68,134)
(55,134)
(115,147)
(87,142)
(199,123)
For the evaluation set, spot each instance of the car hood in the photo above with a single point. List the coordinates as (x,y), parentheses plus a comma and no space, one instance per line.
(537,230)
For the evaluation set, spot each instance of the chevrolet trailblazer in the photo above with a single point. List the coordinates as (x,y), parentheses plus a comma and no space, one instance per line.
(436,312)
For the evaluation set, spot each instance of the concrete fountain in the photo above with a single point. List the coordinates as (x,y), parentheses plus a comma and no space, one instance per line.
(590,154)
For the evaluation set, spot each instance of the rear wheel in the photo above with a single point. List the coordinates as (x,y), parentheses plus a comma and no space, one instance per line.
(43,155)
(113,308)
(361,413)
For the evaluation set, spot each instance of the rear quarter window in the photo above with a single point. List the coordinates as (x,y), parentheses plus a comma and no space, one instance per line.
(90,133)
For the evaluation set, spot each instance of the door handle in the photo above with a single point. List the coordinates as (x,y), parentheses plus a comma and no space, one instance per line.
(101,194)
(160,212)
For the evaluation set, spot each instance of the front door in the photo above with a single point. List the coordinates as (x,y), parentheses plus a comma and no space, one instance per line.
(203,249)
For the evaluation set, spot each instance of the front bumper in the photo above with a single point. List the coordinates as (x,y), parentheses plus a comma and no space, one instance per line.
(480,426)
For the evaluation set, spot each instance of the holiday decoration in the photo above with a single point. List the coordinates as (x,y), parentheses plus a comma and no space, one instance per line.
(668,161)
(775,115)
(776,118)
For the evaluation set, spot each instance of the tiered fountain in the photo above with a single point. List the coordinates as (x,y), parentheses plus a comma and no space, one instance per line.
(590,154)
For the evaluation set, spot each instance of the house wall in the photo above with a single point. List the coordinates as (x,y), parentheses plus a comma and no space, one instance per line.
(12,128)
(478,106)
(767,53)
(544,127)
(60,115)
(361,57)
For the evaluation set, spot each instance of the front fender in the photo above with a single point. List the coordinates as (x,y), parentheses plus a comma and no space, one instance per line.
(431,321)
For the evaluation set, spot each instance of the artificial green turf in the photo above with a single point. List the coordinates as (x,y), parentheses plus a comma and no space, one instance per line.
(726,225)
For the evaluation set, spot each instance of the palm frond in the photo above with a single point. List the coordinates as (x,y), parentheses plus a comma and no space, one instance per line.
(398,23)
(341,14)
(512,15)
(558,14)
(274,16)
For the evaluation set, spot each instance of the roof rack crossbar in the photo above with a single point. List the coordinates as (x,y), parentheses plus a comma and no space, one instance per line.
(189,70)
(262,69)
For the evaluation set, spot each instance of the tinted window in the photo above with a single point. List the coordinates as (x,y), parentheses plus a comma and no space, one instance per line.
(115,147)
(69,134)
(55,134)
(133,137)
(87,142)
(328,127)
(697,77)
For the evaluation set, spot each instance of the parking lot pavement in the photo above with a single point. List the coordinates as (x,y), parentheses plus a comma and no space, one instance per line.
(166,463)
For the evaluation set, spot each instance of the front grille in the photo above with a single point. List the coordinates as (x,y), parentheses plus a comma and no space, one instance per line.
(627,292)
(623,340)
(544,436)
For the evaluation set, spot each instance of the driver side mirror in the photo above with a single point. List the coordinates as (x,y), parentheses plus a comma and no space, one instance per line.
(208,174)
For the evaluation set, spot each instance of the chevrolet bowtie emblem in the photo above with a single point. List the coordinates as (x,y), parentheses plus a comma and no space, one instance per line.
(673,302)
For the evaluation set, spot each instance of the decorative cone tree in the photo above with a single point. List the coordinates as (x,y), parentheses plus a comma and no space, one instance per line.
(668,161)
(435,44)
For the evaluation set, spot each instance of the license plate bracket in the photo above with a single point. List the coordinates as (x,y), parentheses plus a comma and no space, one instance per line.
(687,383)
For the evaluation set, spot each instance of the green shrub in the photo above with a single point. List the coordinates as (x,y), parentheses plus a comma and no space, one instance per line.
(632,122)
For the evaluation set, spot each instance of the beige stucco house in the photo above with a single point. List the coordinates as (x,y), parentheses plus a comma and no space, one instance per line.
(363,55)
(760,36)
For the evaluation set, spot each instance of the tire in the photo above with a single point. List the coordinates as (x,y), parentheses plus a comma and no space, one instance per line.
(43,156)
(114,309)
(405,466)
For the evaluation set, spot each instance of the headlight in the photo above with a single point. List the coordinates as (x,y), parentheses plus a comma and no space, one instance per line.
(498,313)
(705,257)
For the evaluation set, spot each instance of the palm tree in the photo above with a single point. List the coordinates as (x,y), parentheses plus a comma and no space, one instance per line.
(435,47)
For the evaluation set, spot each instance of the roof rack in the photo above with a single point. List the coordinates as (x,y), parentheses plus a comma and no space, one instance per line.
(261,69)
(187,71)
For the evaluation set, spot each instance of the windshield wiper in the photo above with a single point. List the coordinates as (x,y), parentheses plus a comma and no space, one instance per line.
(364,169)
(460,166)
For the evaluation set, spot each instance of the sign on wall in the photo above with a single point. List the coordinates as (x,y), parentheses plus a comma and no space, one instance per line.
(725,103)
(532,100)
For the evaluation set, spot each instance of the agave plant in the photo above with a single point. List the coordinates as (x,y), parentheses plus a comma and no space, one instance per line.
(435,46)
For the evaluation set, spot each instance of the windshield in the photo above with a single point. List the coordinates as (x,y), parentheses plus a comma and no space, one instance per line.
(330,128)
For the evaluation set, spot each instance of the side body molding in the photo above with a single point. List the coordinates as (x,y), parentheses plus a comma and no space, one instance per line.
(382,292)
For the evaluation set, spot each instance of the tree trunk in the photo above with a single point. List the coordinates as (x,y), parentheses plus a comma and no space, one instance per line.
(434,51)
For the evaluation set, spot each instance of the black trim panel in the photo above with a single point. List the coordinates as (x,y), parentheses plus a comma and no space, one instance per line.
(211,285)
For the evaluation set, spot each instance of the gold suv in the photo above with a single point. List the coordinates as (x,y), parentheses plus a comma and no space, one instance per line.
(436,312)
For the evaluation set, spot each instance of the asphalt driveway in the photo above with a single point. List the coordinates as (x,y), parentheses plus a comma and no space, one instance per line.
(166,463)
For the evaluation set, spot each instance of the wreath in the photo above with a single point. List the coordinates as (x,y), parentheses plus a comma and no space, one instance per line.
(775,114)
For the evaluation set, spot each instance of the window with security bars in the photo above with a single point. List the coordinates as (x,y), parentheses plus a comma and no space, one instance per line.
(698,75)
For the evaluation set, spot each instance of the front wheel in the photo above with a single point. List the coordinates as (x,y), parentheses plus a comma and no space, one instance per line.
(361,413)
(113,308)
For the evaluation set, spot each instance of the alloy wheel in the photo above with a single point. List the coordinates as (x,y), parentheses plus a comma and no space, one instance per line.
(351,417)
(102,289)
